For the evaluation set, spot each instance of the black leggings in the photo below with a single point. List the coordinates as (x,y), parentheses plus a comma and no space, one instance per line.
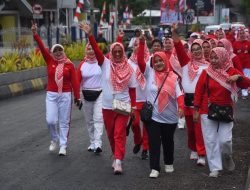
(161,133)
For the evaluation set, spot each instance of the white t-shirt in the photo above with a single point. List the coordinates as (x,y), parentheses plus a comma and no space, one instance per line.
(170,113)
(91,76)
(107,89)
(187,84)
(140,93)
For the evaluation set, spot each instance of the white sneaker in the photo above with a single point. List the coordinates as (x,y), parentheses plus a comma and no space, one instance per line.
(228,163)
(118,167)
(214,173)
(169,168)
(193,155)
(62,151)
(154,174)
(52,146)
(201,161)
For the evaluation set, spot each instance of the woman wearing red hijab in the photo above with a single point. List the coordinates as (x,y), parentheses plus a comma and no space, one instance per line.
(61,82)
(242,49)
(191,70)
(217,85)
(118,82)
(165,109)
(228,46)
(139,137)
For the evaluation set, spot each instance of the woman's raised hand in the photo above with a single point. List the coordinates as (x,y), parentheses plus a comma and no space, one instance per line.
(85,27)
(142,38)
(175,36)
(121,33)
(33,27)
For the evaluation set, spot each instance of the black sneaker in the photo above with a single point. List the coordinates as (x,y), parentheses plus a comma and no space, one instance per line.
(144,155)
(136,148)
(98,150)
(90,150)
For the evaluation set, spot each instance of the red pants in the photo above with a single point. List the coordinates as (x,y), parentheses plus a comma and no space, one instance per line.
(136,128)
(115,125)
(195,138)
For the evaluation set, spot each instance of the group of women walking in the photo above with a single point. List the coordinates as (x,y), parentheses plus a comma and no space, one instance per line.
(197,81)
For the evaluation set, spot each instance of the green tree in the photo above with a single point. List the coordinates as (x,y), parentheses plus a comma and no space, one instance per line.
(245,5)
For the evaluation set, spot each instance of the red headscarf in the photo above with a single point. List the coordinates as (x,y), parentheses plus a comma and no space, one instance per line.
(59,68)
(120,72)
(168,88)
(220,75)
(139,76)
(238,35)
(194,65)
(228,46)
(215,40)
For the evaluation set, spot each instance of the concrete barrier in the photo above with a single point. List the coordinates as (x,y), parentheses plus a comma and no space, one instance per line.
(23,82)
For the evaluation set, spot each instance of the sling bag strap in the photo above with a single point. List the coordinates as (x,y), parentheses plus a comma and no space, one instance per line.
(158,93)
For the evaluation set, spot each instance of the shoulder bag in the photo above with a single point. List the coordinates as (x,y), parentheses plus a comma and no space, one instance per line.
(147,108)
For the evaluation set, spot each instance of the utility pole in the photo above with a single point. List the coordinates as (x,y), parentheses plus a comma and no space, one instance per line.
(92,16)
(150,16)
(116,19)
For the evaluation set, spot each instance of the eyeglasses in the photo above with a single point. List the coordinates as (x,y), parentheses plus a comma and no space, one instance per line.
(196,49)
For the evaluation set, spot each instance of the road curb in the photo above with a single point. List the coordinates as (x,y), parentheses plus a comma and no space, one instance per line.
(24,87)
(248,180)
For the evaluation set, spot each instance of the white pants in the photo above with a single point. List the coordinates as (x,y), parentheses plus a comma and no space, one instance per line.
(94,121)
(247,74)
(58,108)
(218,141)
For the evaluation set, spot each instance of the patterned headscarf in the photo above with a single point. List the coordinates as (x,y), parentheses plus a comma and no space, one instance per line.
(238,35)
(139,76)
(215,41)
(194,65)
(87,58)
(220,75)
(228,46)
(168,88)
(59,67)
(120,72)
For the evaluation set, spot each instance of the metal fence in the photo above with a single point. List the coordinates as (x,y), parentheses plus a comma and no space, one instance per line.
(13,38)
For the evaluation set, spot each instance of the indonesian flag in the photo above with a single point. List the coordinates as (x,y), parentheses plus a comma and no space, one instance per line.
(78,10)
(126,13)
(111,18)
(181,5)
(103,13)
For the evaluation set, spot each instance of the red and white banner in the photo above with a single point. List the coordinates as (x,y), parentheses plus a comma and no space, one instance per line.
(202,7)
(171,11)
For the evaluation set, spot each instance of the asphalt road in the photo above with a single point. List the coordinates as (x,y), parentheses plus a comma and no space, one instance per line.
(25,162)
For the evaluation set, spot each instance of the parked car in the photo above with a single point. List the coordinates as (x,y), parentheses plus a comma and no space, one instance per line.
(227,26)
(238,25)
(212,28)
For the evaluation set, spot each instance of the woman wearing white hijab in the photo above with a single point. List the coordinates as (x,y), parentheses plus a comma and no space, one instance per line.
(61,82)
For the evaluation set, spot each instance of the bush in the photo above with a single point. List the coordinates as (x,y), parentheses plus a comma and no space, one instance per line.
(11,62)
(75,51)
(19,59)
